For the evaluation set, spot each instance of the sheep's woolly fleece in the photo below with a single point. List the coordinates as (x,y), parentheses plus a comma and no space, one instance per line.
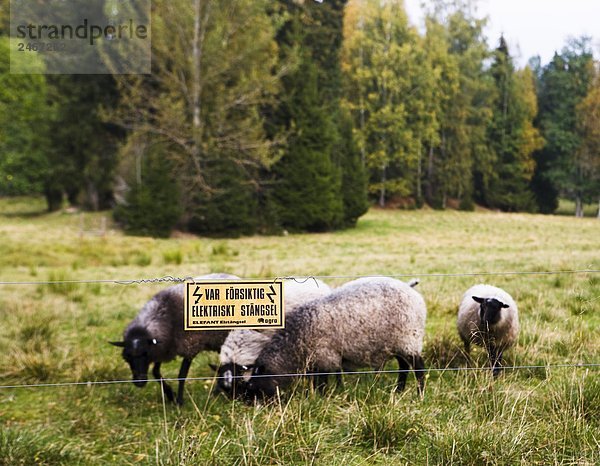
(242,347)
(504,333)
(162,317)
(362,323)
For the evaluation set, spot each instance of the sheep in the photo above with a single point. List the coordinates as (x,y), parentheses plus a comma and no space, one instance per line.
(157,335)
(242,347)
(488,316)
(364,323)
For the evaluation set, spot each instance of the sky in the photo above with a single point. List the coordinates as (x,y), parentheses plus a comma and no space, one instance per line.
(532,27)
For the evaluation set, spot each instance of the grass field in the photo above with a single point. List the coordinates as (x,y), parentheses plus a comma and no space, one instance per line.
(59,332)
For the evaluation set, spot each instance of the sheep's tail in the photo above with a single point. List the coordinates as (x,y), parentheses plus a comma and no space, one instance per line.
(414,282)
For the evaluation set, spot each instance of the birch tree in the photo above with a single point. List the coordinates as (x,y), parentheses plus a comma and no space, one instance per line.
(214,64)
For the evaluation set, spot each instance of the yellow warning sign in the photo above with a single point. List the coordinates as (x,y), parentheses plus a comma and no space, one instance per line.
(228,305)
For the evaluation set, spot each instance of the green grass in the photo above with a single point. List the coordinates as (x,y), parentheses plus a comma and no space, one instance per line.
(59,332)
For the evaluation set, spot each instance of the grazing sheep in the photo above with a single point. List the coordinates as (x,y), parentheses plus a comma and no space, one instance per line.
(242,347)
(363,323)
(488,316)
(157,335)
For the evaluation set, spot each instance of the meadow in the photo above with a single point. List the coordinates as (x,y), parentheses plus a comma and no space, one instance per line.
(58,332)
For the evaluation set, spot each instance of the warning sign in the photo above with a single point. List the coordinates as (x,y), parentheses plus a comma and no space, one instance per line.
(224,305)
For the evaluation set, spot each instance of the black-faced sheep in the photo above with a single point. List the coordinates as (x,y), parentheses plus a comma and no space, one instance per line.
(488,316)
(242,347)
(157,335)
(359,324)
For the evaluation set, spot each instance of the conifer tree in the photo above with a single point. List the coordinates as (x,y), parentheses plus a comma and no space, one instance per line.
(24,114)
(511,135)
(307,188)
(564,83)
(152,205)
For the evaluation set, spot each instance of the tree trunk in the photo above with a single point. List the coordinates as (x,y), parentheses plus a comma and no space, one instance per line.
(382,190)
(54,198)
(419,188)
(430,175)
(93,197)
(578,207)
(196,67)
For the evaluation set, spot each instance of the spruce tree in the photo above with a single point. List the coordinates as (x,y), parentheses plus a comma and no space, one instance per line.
(511,135)
(231,207)
(563,84)
(153,204)
(306,188)
(354,175)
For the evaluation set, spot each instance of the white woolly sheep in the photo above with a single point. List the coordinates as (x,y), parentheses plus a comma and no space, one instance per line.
(363,323)
(157,335)
(488,316)
(242,347)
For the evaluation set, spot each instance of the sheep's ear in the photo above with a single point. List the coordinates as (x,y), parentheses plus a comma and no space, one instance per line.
(120,344)
(213,366)
(479,300)
(505,305)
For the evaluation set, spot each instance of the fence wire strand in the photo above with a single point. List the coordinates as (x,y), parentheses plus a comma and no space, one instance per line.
(303,374)
(299,278)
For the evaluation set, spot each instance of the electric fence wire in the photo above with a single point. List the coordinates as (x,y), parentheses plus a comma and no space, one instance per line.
(300,279)
(303,374)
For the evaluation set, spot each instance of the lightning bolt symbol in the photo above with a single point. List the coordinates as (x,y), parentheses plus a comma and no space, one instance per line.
(197,294)
(271,294)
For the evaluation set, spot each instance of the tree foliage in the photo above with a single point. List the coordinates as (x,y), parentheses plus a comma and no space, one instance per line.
(214,66)
(512,136)
(152,204)
(563,84)
(318,184)
(263,115)
(24,116)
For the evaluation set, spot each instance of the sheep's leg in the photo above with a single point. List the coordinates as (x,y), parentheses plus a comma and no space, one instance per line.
(339,382)
(164,385)
(319,381)
(467,350)
(419,368)
(183,372)
(495,357)
(498,364)
(404,368)
(467,347)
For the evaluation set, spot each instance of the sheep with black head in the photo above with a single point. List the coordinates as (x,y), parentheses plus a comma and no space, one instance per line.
(242,347)
(488,316)
(360,324)
(157,335)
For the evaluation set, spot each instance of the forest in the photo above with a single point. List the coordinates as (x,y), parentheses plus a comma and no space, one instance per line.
(266,116)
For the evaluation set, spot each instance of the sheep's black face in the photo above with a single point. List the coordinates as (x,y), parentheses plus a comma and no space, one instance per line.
(232,379)
(137,352)
(261,385)
(489,310)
